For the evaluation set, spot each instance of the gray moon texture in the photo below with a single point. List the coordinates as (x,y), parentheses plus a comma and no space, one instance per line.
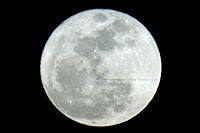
(100,67)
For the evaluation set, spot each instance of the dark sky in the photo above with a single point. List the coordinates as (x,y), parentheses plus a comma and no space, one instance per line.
(31,23)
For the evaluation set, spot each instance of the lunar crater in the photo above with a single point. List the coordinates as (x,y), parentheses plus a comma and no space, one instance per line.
(119,25)
(69,76)
(99,17)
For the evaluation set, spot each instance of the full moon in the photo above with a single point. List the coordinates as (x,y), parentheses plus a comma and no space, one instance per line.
(100,67)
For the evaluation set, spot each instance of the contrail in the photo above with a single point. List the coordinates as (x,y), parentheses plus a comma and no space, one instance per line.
(129,79)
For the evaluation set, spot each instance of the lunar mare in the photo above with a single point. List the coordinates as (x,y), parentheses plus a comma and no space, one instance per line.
(100,67)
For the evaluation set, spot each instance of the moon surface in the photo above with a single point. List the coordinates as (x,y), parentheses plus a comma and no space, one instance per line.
(100,67)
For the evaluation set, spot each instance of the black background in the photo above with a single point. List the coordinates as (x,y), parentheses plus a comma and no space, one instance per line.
(30,25)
